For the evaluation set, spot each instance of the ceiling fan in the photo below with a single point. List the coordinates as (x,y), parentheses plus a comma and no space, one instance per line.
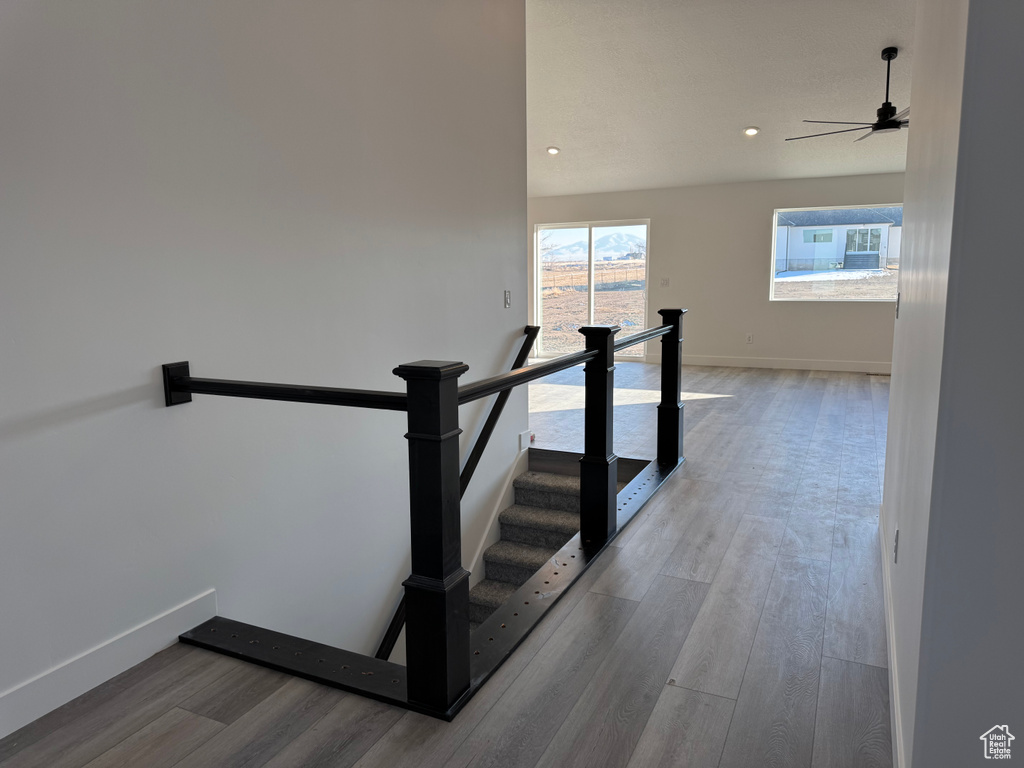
(888,119)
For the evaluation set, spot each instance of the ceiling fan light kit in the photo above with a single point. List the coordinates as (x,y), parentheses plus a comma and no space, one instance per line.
(888,119)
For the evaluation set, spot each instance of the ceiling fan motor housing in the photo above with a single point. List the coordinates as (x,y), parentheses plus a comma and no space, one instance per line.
(885,123)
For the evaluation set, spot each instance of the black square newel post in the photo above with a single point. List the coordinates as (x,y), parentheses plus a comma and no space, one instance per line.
(437,591)
(599,465)
(670,409)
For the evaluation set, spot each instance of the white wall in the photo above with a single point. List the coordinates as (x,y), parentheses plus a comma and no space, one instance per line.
(917,345)
(952,473)
(294,191)
(714,244)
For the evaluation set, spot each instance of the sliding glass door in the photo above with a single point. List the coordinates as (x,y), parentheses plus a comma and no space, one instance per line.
(590,274)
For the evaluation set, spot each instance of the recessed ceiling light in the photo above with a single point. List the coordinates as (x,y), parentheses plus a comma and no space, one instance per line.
(751,130)
(553,150)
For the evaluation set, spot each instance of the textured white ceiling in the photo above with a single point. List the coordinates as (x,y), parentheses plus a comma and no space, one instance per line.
(644,94)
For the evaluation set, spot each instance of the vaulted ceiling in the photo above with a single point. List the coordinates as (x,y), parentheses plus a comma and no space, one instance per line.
(641,94)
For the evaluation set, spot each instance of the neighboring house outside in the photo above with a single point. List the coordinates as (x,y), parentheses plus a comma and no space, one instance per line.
(845,238)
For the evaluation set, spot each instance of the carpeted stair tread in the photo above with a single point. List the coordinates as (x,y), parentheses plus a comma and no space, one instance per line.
(543,489)
(514,553)
(491,594)
(548,482)
(557,520)
(514,562)
(548,490)
(486,597)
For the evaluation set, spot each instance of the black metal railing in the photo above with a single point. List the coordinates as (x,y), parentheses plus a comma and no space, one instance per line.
(179,387)
(440,673)
(504,382)
(492,418)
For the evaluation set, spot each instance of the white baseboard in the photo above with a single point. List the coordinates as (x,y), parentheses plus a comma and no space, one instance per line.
(789,363)
(58,685)
(895,721)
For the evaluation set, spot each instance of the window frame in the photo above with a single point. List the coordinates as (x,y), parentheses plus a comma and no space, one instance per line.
(537,316)
(774,236)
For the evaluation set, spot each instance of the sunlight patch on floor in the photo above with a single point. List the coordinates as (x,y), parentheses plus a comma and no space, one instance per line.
(561,397)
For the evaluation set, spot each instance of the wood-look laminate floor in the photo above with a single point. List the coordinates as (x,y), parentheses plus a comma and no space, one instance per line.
(737,622)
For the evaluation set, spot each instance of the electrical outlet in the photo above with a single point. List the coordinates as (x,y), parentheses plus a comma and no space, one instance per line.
(896,546)
(508,299)
(750,338)
(525,438)
(664,282)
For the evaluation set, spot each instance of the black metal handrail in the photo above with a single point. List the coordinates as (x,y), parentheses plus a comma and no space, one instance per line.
(642,336)
(179,387)
(506,381)
(179,382)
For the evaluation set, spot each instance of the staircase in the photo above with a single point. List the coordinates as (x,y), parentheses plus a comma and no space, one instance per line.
(546,514)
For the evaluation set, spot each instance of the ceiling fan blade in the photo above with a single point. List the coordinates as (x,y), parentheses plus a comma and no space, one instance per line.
(814,135)
(863,137)
(835,122)
(902,115)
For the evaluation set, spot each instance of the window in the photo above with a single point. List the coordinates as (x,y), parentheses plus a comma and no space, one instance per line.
(836,254)
(817,235)
(589,274)
(863,240)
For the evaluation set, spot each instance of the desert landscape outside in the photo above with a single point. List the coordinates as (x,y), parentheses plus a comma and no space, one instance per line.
(848,285)
(590,275)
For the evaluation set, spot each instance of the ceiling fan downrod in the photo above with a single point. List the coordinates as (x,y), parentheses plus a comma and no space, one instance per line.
(887,111)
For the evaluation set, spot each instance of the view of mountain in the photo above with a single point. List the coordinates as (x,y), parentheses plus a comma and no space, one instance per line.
(607,246)
(572,252)
(618,243)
